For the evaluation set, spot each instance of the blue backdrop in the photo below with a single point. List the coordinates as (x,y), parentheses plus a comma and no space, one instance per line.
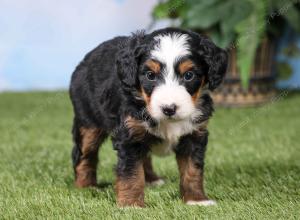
(41,42)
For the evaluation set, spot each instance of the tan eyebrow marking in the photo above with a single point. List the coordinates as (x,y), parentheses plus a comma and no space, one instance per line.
(153,65)
(185,66)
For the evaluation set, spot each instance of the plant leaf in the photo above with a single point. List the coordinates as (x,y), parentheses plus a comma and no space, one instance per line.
(205,17)
(284,70)
(239,10)
(250,31)
(168,9)
(293,18)
(221,39)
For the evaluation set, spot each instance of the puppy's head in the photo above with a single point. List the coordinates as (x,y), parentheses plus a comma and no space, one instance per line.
(169,69)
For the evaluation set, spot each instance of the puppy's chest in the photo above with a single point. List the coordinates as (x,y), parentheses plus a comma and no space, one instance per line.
(170,133)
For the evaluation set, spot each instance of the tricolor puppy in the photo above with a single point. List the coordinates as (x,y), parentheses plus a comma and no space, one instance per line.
(150,93)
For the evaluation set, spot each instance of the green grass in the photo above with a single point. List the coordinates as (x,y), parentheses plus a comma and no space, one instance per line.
(252,165)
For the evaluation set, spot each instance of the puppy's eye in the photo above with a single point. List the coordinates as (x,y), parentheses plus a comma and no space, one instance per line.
(188,76)
(151,76)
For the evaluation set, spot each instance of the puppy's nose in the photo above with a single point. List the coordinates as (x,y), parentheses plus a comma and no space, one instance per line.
(169,110)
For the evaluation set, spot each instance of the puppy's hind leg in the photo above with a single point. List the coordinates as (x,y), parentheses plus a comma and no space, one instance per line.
(151,177)
(85,154)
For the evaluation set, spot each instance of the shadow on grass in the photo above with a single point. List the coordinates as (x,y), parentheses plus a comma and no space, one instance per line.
(100,185)
(104,185)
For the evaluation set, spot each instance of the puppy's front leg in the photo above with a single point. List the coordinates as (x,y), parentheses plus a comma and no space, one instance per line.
(130,180)
(190,160)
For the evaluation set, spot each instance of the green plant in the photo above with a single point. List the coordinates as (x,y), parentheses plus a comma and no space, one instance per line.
(234,24)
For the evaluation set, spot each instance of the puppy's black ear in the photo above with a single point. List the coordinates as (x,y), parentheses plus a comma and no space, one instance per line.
(127,60)
(216,59)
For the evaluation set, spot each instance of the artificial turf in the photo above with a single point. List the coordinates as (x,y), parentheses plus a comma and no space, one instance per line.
(252,165)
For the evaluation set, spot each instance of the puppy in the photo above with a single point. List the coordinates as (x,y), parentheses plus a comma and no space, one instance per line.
(149,92)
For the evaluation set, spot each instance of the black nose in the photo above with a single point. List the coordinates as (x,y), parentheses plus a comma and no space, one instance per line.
(169,110)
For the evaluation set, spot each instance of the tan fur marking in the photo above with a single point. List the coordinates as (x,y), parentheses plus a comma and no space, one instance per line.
(86,169)
(130,190)
(185,66)
(136,128)
(90,138)
(146,98)
(191,180)
(196,96)
(154,66)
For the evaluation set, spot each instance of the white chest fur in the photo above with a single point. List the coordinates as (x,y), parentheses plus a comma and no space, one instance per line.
(170,133)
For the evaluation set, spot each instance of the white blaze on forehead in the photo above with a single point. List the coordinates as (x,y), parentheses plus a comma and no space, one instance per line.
(170,48)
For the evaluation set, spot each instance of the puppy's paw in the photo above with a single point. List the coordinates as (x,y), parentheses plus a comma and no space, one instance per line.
(158,182)
(131,204)
(202,203)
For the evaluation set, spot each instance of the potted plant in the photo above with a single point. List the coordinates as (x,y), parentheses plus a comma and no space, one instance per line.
(249,29)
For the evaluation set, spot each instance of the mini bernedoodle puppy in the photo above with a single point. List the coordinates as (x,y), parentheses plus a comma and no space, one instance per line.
(150,93)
